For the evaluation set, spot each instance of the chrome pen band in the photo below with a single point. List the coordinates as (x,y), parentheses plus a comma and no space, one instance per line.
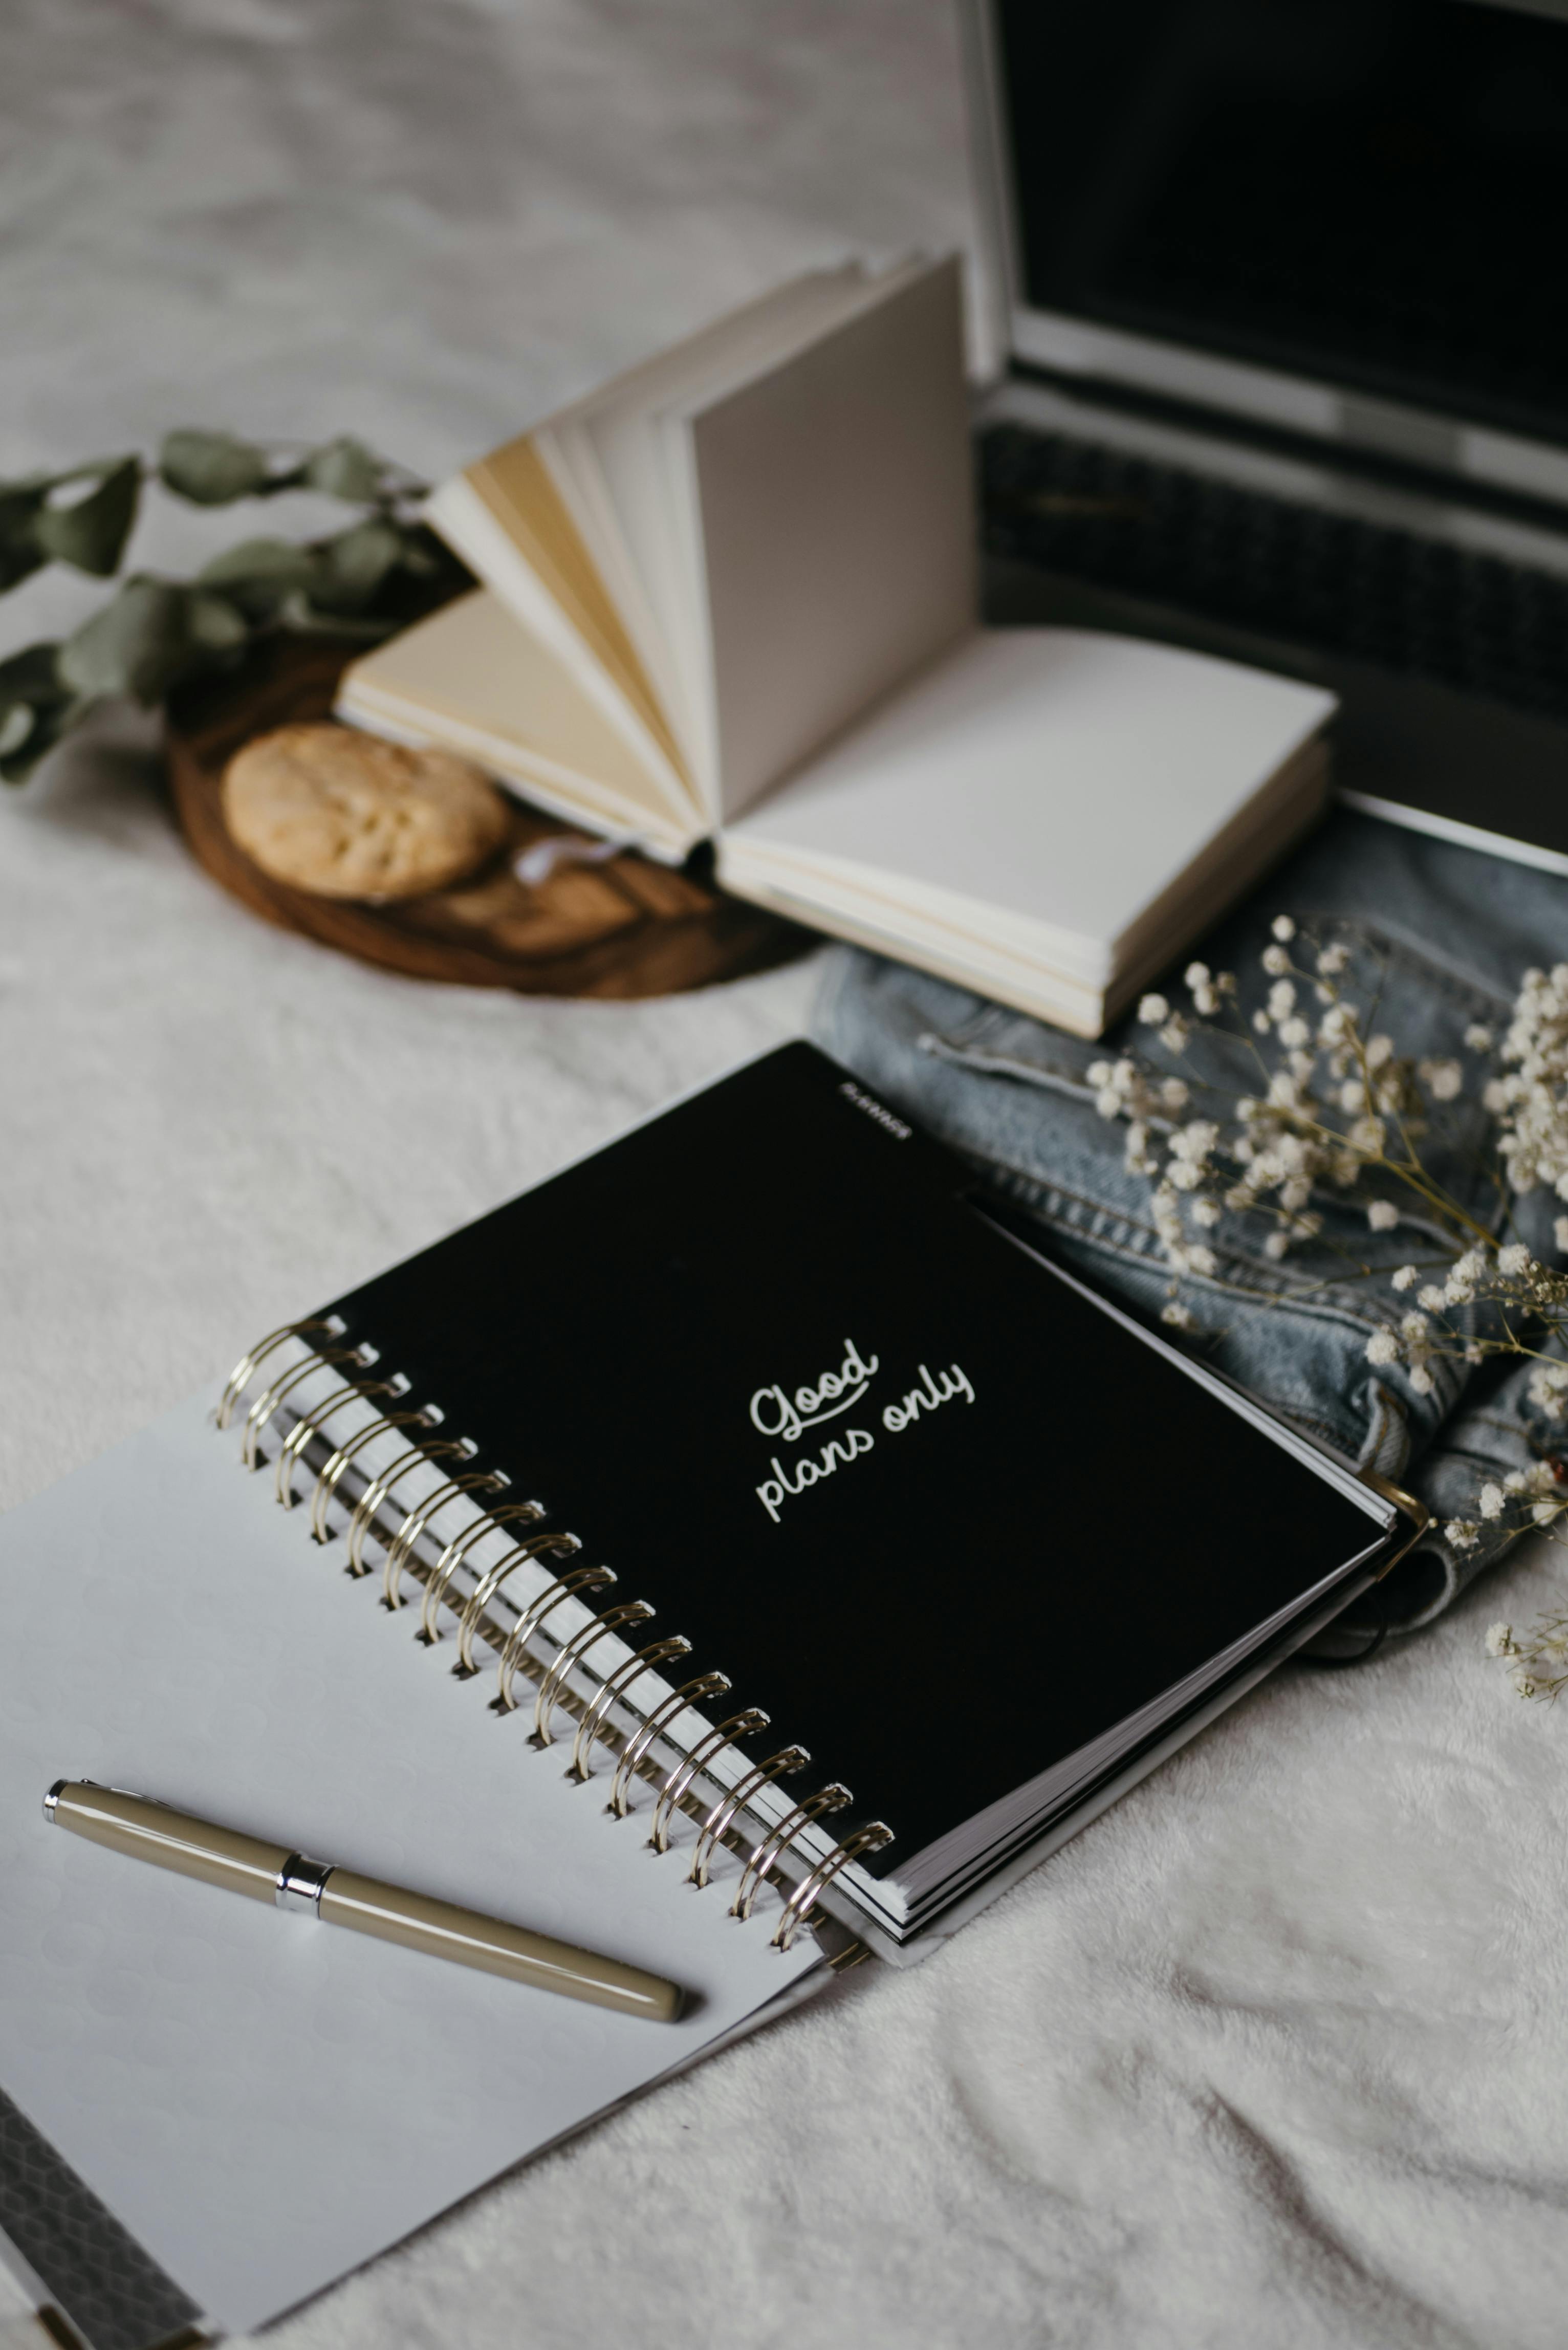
(300,1883)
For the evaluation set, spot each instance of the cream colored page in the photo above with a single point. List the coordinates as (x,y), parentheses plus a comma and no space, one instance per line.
(474,663)
(599,458)
(264,2101)
(620,436)
(833,500)
(1061,775)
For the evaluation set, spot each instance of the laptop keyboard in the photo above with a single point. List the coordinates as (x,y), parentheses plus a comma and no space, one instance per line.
(1171,537)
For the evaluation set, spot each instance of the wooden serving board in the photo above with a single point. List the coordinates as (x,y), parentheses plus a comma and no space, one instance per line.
(624,927)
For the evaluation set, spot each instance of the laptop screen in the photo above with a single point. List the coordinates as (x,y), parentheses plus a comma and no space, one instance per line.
(1370,193)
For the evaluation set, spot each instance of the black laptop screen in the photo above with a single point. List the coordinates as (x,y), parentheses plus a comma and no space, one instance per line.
(1371,193)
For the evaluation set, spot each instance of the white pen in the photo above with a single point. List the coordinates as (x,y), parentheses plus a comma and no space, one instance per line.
(272,1873)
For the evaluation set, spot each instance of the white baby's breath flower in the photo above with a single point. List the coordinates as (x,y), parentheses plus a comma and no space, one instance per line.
(1179,1318)
(1173,1092)
(1206,1213)
(1422,1381)
(1461,1533)
(1559,1235)
(1523,1683)
(1295,1033)
(1406,1278)
(1379,1052)
(1478,1039)
(1276,1245)
(1175,1032)
(1282,999)
(1351,1096)
(1153,1010)
(1491,1500)
(1260,1023)
(1275,961)
(1444,1080)
(1544,1512)
(1381,1348)
(1284,929)
(1383,1215)
(1513,1260)
(1432,1299)
(1332,960)
(1198,975)
(1499,1640)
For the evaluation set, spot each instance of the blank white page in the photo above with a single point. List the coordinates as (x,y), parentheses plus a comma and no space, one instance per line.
(1058,775)
(262,2100)
(833,501)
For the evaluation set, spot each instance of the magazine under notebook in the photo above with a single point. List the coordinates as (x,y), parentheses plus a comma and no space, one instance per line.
(745,1489)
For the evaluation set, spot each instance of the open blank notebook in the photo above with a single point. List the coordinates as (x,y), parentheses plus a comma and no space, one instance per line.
(732,596)
(263,2101)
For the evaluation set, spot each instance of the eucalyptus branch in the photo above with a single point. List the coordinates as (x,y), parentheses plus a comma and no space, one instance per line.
(154,633)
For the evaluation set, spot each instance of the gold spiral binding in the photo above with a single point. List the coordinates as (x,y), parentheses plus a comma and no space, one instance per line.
(449,1448)
(613,1687)
(477,1480)
(454,1554)
(706,1751)
(266,1403)
(696,1692)
(714,1828)
(555,1546)
(797,1910)
(759,1867)
(308,1424)
(583,1578)
(800,1906)
(633,1611)
(247,1367)
(327,1483)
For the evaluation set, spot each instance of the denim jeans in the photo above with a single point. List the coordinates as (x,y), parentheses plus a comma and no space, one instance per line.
(1452,931)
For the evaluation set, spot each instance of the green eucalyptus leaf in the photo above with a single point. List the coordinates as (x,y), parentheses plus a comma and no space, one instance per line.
(355,564)
(283,560)
(31,676)
(299,612)
(153,633)
(258,574)
(215,626)
(346,469)
(36,709)
(20,553)
(212,468)
(22,748)
(92,534)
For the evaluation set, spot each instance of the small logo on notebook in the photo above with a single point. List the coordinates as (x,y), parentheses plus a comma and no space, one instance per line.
(874,1109)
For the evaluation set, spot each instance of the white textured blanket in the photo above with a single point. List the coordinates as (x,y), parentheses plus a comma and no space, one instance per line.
(1274,2054)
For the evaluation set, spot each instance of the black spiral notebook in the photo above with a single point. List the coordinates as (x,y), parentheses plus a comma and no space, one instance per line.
(970,1538)
(746,1507)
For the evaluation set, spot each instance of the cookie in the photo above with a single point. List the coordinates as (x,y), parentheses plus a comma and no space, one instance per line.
(345,815)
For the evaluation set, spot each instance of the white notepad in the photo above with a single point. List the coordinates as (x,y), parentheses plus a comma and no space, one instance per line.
(265,2102)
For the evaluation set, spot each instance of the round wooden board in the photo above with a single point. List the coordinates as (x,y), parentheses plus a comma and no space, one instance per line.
(623,928)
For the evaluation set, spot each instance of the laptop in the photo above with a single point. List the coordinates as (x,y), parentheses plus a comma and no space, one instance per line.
(1286,313)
